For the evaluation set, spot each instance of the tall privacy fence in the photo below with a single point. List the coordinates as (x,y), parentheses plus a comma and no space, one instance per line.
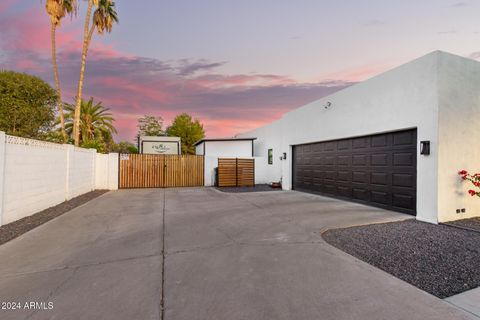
(35,175)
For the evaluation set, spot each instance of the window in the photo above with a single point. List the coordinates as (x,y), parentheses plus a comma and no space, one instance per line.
(270,156)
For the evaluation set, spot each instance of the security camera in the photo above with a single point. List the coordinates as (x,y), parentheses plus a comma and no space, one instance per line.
(327,105)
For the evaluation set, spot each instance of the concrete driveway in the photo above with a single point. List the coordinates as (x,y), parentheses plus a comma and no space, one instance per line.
(225,256)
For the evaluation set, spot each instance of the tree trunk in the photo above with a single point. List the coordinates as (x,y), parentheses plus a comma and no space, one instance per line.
(87,35)
(57,83)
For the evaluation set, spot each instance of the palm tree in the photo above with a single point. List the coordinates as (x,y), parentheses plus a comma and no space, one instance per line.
(57,9)
(103,19)
(96,122)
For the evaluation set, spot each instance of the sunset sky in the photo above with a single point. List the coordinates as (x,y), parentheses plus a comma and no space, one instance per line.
(235,65)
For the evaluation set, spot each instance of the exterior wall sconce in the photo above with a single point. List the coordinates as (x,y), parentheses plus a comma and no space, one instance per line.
(327,105)
(425,148)
(284,156)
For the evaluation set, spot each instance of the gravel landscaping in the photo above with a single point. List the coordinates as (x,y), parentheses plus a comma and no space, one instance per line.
(17,228)
(439,259)
(473,223)
(256,188)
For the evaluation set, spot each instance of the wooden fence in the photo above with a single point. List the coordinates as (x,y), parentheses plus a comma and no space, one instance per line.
(160,171)
(235,172)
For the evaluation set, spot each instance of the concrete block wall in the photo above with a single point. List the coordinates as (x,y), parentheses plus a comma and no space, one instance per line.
(36,175)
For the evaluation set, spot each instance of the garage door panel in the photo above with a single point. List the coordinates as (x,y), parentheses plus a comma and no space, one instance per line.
(344,191)
(344,160)
(380,197)
(379,159)
(360,177)
(404,201)
(345,176)
(404,159)
(403,180)
(379,170)
(405,138)
(344,145)
(379,178)
(360,143)
(360,160)
(379,141)
(361,194)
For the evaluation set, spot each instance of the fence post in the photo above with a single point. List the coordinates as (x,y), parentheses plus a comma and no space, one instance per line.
(113,171)
(2,174)
(69,150)
(94,167)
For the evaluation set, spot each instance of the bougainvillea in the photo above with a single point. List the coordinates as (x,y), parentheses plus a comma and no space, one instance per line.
(474,179)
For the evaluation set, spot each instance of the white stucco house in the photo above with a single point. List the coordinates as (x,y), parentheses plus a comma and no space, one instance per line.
(395,141)
(212,149)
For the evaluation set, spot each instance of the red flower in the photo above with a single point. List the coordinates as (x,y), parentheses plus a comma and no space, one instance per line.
(472,192)
(464,177)
(462,172)
(476,184)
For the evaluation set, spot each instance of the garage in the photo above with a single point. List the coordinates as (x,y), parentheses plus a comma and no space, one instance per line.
(378,170)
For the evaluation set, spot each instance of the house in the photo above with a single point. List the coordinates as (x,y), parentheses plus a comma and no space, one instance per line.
(159,145)
(212,149)
(395,141)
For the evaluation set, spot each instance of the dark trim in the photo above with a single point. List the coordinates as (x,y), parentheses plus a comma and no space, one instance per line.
(253,149)
(179,148)
(226,139)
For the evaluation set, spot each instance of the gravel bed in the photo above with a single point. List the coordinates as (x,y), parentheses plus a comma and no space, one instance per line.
(17,228)
(256,188)
(438,259)
(472,223)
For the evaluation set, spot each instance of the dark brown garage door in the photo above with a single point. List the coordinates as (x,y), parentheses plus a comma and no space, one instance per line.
(379,170)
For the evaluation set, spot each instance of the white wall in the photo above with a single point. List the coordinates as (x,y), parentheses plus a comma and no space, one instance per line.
(459,131)
(36,175)
(228,149)
(212,150)
(106,171)
(199,149)
(403,98)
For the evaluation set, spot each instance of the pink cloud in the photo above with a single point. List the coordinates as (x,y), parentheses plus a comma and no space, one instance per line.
(133,86)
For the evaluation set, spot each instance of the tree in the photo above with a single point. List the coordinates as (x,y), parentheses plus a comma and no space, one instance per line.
(57,9)
(189,130)
(96,124)
(124,147)
(27,105)
(150,126)
(103,19)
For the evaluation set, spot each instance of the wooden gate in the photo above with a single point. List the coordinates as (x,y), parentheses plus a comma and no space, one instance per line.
(160,171)
(235,172)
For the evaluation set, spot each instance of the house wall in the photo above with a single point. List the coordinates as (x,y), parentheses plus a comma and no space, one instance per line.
(459,130)
(36,175)
(212,150)
(403,98)
(199,149)
(228,149)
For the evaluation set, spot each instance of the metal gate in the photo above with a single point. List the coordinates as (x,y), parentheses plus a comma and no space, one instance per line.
(160,171)
(235,172)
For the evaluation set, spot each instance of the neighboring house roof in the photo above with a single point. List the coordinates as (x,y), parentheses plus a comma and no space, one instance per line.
(224,139)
